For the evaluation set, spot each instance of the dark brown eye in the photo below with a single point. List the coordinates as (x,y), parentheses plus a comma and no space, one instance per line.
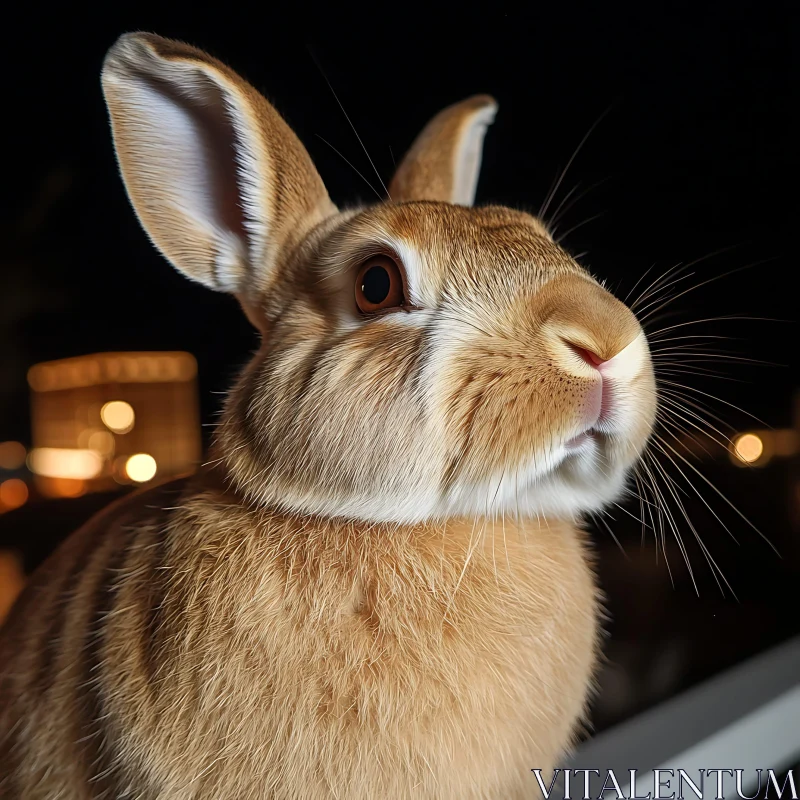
(379,285)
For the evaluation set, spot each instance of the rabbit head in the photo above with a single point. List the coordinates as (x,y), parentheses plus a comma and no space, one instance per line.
(420,358)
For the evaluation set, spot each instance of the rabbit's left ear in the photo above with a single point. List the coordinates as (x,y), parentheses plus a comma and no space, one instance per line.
(218,180)
(445,159)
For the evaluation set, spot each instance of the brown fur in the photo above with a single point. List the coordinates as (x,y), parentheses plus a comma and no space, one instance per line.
(379,586)
(213,651)
(443,162)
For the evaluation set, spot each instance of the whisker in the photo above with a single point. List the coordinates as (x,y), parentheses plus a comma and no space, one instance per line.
(710,560)
(677,368)
(671,426)
(579,225)
(663,512)
(602,521)
(712,280)
(678,538)
(633,516)
(658,339)
(555,218)
(719,493)
(350,122)
(641,505)
(731,317)
(673,405)
(566,197)
(638,281)
(679,268)
(552,193)
(704,355)
(719,400)
(657,293)
(353,167)
(699,406)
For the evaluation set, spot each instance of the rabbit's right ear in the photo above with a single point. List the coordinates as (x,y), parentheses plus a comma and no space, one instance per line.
(444,161)
(218,180)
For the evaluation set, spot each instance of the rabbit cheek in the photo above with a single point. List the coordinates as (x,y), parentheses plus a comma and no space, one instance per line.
(534,417)
(496,414)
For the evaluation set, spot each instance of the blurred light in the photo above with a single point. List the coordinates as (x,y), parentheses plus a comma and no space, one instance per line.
(12,455)
(117,416)
(13,494)
(61,487)
(105,368)
(84,435)
(58,462)
(42,378)
(748,447)
(102,442)
(118,472)
(785,442)
(141,467)
(97,439)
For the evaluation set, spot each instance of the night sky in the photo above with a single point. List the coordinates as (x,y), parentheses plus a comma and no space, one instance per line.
(696,157)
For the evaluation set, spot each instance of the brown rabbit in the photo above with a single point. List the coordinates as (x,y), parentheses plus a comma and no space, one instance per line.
(379,587)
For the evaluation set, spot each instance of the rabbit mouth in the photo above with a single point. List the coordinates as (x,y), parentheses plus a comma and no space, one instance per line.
(577,442)
(582,441)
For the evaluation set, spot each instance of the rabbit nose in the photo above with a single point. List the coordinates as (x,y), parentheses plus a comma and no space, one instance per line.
(582,318)
(589,356)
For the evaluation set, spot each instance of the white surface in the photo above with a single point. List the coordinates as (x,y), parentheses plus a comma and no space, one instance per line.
(767,738)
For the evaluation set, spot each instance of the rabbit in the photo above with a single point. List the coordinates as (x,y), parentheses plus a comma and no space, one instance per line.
(379,585)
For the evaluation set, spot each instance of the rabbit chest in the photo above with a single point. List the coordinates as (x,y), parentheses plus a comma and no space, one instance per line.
(300,658)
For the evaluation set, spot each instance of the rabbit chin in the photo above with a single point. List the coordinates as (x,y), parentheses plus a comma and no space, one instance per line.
(570,481)
(565,483)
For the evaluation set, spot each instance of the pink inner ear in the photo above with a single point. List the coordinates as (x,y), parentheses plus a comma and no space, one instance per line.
(217,178)
(213,131)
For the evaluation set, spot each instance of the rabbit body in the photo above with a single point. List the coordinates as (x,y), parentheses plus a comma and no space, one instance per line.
(211,651)
(379,586)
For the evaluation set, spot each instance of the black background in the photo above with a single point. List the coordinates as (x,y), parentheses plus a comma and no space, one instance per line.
(696,154)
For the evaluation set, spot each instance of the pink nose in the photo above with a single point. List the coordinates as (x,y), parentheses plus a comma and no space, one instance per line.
(589,356)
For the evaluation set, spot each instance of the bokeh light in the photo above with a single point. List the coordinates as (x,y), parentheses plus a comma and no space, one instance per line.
(141,467)
(748,448)
(118,416)
(61,487)
(13,494)
(62,462)
(102,442)
(12,455)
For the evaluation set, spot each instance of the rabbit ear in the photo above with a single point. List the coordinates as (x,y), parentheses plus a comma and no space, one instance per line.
(444,161)
(219,181)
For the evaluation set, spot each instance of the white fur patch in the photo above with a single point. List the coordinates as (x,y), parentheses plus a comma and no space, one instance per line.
(469,154)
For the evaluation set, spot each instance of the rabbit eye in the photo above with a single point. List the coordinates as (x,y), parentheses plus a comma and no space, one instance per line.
(379,285)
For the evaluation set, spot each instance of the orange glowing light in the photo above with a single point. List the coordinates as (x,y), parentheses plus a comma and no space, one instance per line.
(62,487)
(12,455)
(118,416)
(748,447)
(13,493)
(103,368)
(141,467)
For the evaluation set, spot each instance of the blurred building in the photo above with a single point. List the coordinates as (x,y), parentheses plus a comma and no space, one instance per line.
(113,418)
